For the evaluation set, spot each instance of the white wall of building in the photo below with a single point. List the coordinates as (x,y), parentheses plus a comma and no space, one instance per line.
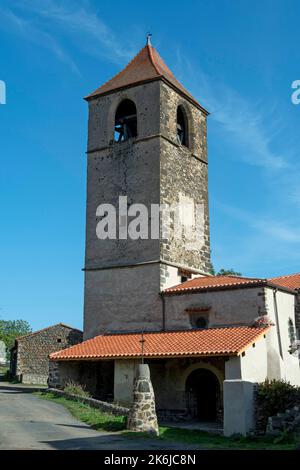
(172,276)
(123,381)
(280,361)
(252,364)
(238,407)
(271,357)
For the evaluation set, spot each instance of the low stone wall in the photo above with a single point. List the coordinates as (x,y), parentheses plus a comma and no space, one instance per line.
(284,422)
(34,379)
(101,405)
(274,406)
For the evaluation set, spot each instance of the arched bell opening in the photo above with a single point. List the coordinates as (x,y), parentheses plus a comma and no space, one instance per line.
(125,121)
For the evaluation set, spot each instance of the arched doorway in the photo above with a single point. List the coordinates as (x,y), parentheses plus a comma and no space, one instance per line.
(202,395)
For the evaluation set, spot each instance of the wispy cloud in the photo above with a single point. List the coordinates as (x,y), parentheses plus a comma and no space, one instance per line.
(84,26)
(27,29)
(282,231)
(54,25)
(257,245)
(242,121)
(255,135)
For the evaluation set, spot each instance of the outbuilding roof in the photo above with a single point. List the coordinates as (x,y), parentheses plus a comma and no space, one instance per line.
(33,333)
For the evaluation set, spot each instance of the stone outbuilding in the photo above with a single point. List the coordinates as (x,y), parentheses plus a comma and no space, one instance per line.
(29,356)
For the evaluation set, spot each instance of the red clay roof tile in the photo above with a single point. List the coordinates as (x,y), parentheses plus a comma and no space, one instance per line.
(205,283)
(207,342)
(291,281)
(214,283)
(146,66)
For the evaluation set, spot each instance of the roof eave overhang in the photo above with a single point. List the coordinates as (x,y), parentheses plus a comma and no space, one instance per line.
(261,331)
(150,356)
(96,95)
(282,288)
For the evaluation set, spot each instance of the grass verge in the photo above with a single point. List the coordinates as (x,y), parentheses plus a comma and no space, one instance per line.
(107,422)
(204,440)
(95,418)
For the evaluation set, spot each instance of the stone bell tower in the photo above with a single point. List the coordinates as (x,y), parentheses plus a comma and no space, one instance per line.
(146,146)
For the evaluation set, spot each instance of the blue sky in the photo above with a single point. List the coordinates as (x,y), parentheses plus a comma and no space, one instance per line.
(238,58)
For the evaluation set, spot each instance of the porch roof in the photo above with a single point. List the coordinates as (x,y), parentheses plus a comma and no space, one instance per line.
(227,341)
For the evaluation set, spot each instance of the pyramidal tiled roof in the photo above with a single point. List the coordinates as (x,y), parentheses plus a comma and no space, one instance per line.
(146,66)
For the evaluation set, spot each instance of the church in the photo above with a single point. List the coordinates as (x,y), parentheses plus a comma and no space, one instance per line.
(207,339)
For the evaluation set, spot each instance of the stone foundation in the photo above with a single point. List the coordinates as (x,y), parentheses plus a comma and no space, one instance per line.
(34,379)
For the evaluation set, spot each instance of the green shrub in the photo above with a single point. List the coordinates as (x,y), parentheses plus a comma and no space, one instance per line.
(274,396)
(76,389)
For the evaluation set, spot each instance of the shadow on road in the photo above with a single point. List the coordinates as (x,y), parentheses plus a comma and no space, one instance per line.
(18,388)
(83,426)
(114,442)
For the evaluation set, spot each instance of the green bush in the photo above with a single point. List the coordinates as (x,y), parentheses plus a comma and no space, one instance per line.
(274,396)
(76,389)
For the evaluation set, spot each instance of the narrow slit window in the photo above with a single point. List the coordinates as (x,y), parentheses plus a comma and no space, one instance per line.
(125,121)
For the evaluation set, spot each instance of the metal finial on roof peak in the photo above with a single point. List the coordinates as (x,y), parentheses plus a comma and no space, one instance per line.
(148,37)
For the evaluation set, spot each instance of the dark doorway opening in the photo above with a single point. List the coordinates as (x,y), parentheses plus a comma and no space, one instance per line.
(105,380)
(202,394)
(97,377)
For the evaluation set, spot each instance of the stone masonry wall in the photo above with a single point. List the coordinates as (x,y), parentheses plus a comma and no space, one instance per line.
(148,169)
(34,349)
(114,169)
(184,177)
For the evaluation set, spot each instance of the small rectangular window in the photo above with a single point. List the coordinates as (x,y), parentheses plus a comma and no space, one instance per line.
(184,274)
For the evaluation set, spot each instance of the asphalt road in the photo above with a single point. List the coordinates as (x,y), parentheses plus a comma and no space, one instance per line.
(27,422)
